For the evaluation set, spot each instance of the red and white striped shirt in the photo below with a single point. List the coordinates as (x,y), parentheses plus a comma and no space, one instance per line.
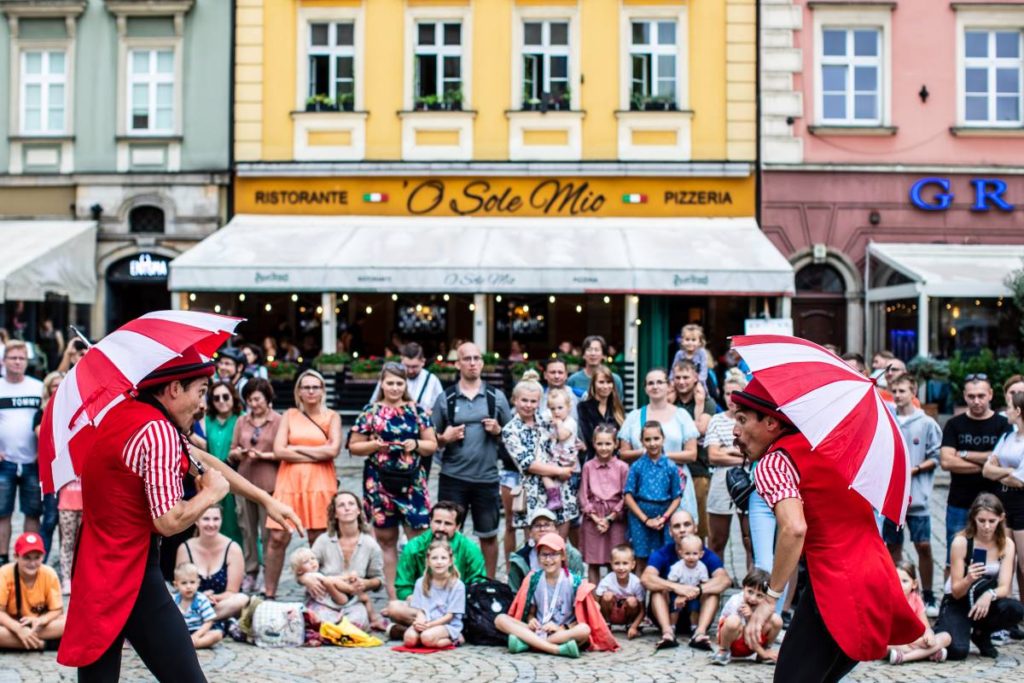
(154,453)
(776,478)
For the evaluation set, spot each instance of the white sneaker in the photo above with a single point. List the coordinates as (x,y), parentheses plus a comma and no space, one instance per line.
(931,611)
(721,658)
(1000,636)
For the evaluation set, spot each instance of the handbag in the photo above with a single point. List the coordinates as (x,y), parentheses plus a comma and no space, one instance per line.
(278,624)
(740,486)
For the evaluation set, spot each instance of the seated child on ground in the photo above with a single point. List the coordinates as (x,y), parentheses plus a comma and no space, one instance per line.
(330,607)
(689,570)
(620,593)
(440,598)
(195,607)
(734,619)
(929,646)
(31,609)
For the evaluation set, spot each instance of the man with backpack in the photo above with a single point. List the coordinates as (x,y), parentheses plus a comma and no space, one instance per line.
(468,418)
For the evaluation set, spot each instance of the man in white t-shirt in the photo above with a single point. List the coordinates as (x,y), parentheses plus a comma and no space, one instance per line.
(20,398)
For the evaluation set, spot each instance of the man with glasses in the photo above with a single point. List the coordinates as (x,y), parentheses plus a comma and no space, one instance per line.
(525,560)
(20,398)
(967,441)
(468,418)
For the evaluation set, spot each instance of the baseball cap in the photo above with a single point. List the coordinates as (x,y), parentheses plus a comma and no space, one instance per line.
(542,512)
(28,542)
(553,541)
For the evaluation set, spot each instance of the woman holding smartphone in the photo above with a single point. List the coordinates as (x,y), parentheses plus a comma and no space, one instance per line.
(977,601)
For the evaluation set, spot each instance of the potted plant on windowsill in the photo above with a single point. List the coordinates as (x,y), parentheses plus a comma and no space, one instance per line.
(332,362)
(453,100)
(562,101)
(445,372)
(321,103)
(531,103)
(491,360)
(367,368)
(282,370)
(346,102)
(427,103)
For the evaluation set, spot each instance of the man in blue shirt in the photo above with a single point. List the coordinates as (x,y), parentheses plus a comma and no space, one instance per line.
(702,599)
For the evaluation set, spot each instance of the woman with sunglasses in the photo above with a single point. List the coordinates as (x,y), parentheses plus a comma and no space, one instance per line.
(307,442)
(393,433)
(252,450)
(222,411)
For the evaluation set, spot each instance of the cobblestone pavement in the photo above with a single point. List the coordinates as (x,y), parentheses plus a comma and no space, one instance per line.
(636,662)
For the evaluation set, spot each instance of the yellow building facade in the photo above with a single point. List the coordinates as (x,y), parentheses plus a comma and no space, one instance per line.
(616,126)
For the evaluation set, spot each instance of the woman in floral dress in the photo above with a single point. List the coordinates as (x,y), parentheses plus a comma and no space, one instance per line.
(393,434)
(528,439)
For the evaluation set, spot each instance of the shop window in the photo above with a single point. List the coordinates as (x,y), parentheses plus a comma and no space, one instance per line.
(819,279)
(653,64)
(545,64)
(43,91)
(851,74)
(438,64)
(332,64)
(993,70)
(146,219)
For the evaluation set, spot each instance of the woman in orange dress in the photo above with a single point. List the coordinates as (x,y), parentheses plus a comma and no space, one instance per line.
(306,444)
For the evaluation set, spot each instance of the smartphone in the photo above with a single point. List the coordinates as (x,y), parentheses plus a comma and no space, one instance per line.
(979,556)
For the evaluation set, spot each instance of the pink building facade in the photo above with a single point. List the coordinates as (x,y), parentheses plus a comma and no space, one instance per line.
(892,150)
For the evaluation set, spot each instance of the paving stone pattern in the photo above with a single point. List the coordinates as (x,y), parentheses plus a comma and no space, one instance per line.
(636,662)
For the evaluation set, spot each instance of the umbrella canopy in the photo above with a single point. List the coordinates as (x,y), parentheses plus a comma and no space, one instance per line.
(839,411)
(108,372)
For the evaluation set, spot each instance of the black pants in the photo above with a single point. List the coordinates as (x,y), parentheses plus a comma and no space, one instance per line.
(809,654)
(953,619)
(156,630)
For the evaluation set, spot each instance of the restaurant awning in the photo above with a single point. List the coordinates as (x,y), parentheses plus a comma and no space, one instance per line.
(48,257)
(256,253)
(945,270)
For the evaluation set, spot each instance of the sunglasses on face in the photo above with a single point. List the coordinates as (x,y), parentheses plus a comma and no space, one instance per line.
(218,398)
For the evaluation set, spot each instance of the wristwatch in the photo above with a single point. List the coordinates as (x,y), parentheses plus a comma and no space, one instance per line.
(767,589)
(962,454)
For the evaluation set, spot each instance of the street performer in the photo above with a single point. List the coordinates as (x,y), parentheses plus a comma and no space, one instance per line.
(132,495)
(853,606)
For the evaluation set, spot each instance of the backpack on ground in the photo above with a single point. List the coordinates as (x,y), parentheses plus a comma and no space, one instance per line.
(485,600)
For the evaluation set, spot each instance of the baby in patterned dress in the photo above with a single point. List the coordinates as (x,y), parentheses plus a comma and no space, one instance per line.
(564,447)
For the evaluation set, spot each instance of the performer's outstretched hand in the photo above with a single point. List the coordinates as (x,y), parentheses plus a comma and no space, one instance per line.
(285,516)
(757,622)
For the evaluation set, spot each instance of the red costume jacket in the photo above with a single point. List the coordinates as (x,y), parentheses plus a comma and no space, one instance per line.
(852,574)
(117,530)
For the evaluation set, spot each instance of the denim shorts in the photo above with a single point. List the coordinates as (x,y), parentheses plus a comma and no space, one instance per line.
(23,481)
(920,527)
(510,479)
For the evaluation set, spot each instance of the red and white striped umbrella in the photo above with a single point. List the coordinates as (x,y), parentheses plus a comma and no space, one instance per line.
(839,411)
(105,375)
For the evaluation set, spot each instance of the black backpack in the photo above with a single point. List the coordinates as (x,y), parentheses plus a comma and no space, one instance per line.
(485,600)
(451,395)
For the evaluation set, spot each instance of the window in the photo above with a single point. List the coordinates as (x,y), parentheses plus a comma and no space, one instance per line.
(851,70)
(438,64)
(652,55)
(332,64)
(993,67)
(43,87)
(819,278)
(146,219)
(151,91)
(545,62)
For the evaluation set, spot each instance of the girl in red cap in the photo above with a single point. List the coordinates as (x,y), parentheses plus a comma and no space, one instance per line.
(31,609)
(554,610)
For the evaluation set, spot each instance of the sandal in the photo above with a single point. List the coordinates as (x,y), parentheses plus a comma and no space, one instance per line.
(940,656)
(701,642)
(666,643)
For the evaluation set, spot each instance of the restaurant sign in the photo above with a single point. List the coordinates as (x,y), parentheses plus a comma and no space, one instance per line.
(498,196)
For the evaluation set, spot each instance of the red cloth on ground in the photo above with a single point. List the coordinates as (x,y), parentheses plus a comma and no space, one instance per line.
(421,650)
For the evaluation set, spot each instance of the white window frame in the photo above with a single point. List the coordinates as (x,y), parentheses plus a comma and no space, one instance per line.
(990,64)
(152,80)
(635,13)
(851,62)
(439,52)
(129,45)
(545,52)
(854,17)
(535,13)
(44,80)
(334,15)
(416,15)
